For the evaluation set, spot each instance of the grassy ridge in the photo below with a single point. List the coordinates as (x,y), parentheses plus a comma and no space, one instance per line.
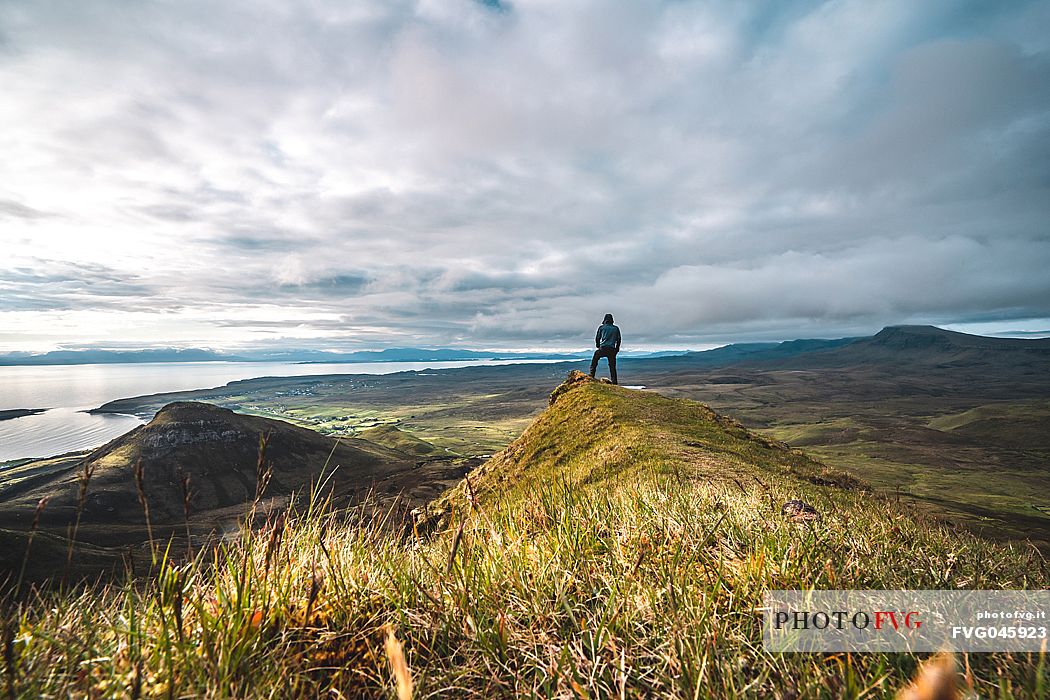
(593,433)
(619,548)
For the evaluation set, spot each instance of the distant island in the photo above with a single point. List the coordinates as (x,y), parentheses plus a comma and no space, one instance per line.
(98,357)
(9,414)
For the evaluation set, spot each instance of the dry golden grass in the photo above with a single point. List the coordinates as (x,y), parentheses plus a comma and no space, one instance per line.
(620,548)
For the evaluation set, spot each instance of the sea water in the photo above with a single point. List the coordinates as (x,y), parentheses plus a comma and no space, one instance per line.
(67,391)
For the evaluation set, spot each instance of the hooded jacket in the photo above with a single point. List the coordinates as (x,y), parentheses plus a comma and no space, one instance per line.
(608,336)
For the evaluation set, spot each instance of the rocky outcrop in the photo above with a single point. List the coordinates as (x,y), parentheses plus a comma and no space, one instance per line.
(575,378)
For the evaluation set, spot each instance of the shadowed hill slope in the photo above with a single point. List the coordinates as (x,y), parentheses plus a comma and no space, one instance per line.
(218,451)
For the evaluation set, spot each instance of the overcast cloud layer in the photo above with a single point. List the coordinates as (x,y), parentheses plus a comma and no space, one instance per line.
(450,172)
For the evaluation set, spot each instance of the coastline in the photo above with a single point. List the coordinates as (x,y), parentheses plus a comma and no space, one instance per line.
(12,413)
(86,406)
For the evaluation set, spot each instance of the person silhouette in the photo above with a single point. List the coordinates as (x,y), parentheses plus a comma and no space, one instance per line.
(607,340)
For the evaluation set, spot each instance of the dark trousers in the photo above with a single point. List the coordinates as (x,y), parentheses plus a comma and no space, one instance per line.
(610,354)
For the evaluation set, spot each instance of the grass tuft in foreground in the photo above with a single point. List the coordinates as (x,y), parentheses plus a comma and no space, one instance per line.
(619,548)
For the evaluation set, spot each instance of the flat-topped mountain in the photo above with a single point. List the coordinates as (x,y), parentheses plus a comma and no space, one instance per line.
(932,345)
(892,343)
(912,345)
(927,337)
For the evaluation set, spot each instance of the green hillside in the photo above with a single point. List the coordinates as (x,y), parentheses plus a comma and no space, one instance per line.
(393,437)
(618,548)
(598,434)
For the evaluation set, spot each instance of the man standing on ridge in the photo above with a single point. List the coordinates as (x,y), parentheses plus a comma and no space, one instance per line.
(607,340)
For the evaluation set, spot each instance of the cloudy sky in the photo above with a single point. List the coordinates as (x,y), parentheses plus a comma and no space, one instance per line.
(346,174)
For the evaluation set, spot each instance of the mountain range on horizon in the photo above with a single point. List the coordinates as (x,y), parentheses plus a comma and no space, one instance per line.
(161,355)
(915,341)
(923,336)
